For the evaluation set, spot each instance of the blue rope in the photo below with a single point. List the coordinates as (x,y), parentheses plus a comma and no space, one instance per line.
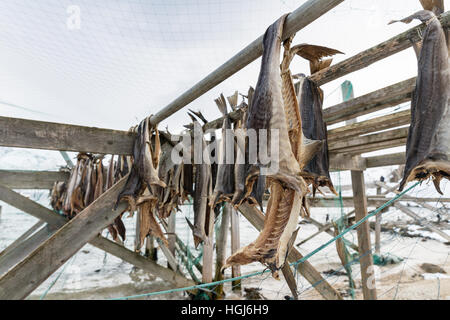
(206,285)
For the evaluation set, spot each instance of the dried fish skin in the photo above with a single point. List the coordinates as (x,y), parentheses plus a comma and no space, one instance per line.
(428,142)
(316,170)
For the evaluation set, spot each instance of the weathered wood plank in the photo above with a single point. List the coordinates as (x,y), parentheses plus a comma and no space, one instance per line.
(297,20)
(33,134)
(338,145)
(23,249)
(23,237)
(256,218)
(386,160)
(377,100)
(363,232)
(396,119)
(27,179)
(374,54)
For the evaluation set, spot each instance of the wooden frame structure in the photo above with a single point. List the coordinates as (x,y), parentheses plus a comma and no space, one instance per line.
(44,248)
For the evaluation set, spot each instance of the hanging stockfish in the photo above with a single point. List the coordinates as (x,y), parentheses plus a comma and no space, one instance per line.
(428,143)
(266,112)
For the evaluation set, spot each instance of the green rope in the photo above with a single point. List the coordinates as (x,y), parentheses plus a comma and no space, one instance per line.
(302,260)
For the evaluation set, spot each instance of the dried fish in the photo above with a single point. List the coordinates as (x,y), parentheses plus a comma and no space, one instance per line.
(224,186)
(428,143)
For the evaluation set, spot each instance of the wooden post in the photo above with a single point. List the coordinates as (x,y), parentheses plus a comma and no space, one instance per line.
(363,231)
(23,237)
(235,245)
(151,252)
(221,248)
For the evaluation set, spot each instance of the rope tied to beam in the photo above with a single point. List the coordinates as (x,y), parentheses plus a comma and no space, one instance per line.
(295,264)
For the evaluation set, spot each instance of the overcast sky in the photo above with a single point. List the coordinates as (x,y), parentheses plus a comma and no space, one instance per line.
(130,58)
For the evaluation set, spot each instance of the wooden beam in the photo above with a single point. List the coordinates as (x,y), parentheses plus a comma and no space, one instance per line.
(386,160)
(23,249)
(235,245)
(377,100)
(27,179)
(221,248)
(33,134)
(256,218)
(296,20)
(363,231)
(340,162)
(372,125)
(56,221)
(374,54)
(23,237)
(361,141)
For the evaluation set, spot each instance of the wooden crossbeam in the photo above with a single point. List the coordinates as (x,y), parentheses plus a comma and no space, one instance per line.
(33,134)
(28,179)
(85,227)
(377,100)
(374,54)
(396,119)
(256,218)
